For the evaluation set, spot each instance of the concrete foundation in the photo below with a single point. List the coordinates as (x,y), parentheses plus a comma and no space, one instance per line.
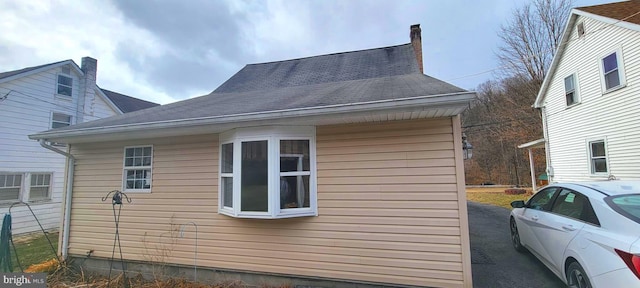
(210,275)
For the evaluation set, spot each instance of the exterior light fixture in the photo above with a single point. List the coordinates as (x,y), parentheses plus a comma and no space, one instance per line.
(467,149)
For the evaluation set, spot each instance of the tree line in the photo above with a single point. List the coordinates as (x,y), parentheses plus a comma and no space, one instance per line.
(502,116)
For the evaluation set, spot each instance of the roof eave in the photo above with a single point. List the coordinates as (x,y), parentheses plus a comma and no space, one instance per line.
(453,99)
(47,67)
(556,59)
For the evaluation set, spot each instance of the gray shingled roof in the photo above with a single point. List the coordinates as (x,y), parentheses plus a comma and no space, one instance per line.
(24,70)
(126,103)
(332,68)
(383,74)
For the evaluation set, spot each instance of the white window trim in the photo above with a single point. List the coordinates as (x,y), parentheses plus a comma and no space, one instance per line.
(621,71)
(25,187)
(575,90)
(124,170)
(606,153)
(273,135)
(71,118)
(58,83)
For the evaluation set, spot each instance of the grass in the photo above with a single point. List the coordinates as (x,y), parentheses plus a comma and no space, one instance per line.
(33,250)
(494,196)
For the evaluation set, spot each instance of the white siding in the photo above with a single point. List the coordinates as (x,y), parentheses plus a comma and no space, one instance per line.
(611,116)
(100,109)
(28,108)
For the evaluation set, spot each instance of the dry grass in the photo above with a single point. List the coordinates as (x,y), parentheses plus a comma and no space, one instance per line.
(65,277)
(495,196)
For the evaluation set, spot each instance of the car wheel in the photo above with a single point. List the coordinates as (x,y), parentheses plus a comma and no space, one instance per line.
(576,277)
(515,236)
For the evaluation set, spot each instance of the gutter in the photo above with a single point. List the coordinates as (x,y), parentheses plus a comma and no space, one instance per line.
(67,206)
(459,98)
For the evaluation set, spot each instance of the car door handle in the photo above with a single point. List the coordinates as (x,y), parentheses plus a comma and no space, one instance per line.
(569,227)
(534,218)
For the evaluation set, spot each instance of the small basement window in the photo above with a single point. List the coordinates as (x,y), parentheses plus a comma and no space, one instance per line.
(268,172)
(65,84)
(137,168)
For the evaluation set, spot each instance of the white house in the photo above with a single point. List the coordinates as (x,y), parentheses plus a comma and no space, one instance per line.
(39,98)
(591,96)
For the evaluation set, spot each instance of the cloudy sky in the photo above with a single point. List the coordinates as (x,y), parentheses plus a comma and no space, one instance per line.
(164,51)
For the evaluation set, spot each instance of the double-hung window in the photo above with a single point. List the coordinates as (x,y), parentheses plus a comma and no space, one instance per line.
(36,186)
(268,172)
(598,157)
(65,85)
(612,71)
(10,185)
(40,187)
(60,120)
(137,168)
(570,90)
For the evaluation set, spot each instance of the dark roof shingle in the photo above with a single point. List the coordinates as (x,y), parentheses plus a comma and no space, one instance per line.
(355,65)
(628,10)
(126,103)
(359,77)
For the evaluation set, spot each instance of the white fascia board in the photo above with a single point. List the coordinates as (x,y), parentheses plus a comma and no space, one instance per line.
(533,144)
(572,18)
(108,100)
(44,68)
(610,21)
(452,99)
(556,59)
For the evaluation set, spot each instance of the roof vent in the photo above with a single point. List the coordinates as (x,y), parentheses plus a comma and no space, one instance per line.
(581,29)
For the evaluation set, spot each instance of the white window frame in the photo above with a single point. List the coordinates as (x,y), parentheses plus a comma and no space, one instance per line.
(576,95)
(64,85)
(128,168)
(590,158)
(621,71)
(28,184)
(55,121)
(24,195)
(273,135)
(20,187)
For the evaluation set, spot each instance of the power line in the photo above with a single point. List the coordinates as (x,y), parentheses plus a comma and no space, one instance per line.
(545,51)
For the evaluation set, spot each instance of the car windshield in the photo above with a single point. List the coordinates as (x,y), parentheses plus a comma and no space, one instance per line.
(627,205)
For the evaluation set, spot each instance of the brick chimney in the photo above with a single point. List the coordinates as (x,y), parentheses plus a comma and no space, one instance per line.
(87,95)
(416,41)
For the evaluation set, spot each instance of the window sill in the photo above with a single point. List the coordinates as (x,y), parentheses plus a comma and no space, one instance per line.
(137,191)
(266,215)
(614,89)
(63,97)
(572,105)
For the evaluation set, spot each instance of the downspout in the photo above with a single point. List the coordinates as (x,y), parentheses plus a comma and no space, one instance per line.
(67,205)
(547,151)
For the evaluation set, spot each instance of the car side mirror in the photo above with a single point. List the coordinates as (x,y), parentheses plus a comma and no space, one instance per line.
(518,204)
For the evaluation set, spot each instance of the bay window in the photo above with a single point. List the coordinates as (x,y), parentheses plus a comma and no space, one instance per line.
(268,172)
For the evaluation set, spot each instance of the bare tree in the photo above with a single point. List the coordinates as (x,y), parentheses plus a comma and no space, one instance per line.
(531,38)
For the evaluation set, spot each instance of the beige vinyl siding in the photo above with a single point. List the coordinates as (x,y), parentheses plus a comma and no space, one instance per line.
(610,115)
(388,207)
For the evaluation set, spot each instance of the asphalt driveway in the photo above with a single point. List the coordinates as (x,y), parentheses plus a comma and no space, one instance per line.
(494,261)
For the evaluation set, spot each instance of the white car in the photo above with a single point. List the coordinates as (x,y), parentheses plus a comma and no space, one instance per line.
(588,234)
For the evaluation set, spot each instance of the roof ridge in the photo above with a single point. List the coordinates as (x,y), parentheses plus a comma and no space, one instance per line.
(329,54)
